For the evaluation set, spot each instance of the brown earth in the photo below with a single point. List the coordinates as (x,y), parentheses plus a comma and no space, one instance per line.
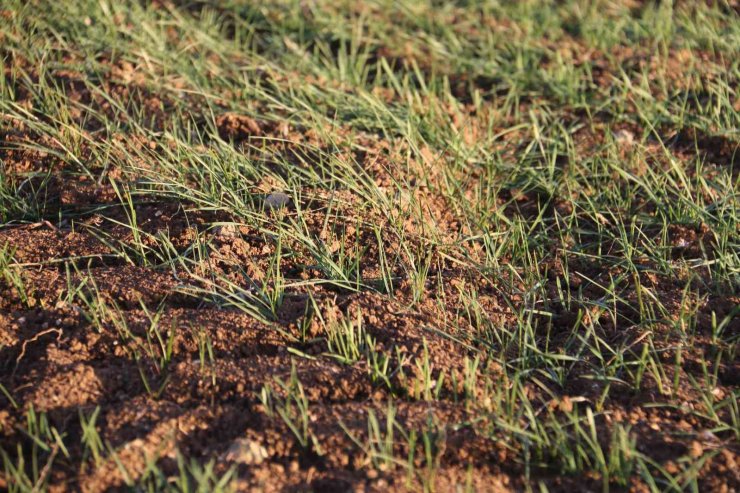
(57,360)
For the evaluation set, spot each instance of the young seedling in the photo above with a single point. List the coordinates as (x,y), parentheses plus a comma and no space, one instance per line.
(289,402)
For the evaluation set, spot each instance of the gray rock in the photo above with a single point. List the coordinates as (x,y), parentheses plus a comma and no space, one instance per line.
(276,200)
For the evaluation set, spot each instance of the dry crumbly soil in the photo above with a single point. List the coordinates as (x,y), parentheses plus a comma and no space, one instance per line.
(77,322)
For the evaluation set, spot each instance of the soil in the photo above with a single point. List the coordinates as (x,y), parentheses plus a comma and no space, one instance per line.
(55,359)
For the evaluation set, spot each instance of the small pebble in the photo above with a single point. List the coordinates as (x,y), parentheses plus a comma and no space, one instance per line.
(707,436)
(624,137)
(246,451)
(276,200)
(225,231)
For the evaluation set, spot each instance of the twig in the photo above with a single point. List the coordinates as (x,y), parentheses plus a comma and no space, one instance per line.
(34,338)
(46,469)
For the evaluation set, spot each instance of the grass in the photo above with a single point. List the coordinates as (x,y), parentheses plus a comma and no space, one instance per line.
(542,197)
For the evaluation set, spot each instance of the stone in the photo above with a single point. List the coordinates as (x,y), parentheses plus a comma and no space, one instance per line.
(276,200)
(225,231)
(624,137)
(245,451)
